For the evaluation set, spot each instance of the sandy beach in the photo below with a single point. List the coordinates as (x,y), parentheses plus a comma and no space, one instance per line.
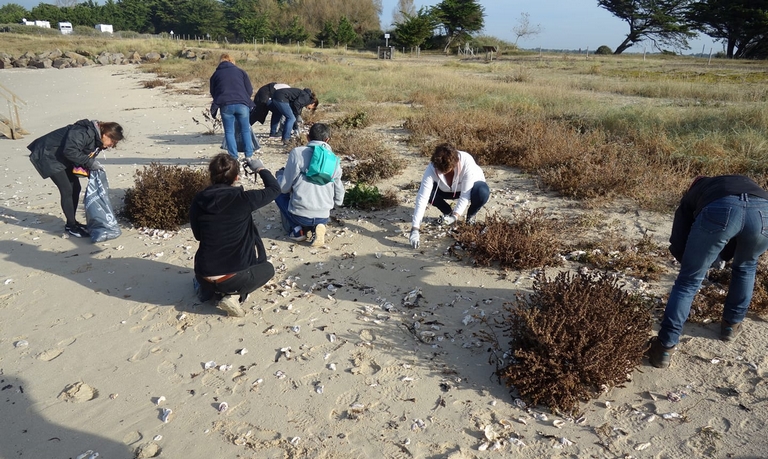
(98,340)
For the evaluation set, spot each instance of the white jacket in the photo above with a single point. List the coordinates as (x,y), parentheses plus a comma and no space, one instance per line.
(466,174)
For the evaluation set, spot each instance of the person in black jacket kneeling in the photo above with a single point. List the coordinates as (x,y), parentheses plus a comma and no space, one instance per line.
(231,259)
(719,217)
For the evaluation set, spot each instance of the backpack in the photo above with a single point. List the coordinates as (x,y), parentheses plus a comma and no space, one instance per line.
(322,166)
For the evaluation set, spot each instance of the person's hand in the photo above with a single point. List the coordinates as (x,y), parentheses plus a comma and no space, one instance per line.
(449,219)
(96,166)
(414,238)
(255,164)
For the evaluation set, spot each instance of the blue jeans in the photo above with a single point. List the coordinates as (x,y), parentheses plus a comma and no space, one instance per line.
(239,113)
(743,218)
(477,198)
(293,220)
(280,109)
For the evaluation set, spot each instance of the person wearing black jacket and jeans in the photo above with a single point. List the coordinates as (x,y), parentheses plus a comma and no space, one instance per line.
(724,216)
(68,153)
(231,259)
(289,102)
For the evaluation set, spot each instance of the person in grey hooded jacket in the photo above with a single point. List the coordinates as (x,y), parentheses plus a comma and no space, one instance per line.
(68,153)
(304,205)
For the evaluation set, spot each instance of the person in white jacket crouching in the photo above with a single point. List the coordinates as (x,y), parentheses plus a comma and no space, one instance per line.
(450,175)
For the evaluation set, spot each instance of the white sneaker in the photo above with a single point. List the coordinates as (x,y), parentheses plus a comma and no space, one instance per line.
(231,306)
(319,235)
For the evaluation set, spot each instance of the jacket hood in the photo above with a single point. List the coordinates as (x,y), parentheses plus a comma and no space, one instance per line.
(225,64)
(90,125)
(216,198)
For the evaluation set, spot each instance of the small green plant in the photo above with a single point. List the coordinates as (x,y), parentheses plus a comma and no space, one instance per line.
(603,50)
(210,122)
(162,195)
(358,120)
(368,197)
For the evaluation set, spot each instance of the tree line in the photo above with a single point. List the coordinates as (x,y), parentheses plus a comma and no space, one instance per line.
(741,25)
(326,22)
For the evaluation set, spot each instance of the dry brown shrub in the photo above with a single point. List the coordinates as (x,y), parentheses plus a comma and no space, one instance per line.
(708,303)
(642,258)
(371,158)
(154,83)
(527,240)
(572,336)
(162,195)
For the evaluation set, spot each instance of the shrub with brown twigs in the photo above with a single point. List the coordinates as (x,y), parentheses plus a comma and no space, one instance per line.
(162,195)
(528,240)
(708,303)
(371,158)
(573,336)
(642,258)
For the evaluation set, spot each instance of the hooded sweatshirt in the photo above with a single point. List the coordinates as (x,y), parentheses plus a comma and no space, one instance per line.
(220,218)
(466,174)
(309,199)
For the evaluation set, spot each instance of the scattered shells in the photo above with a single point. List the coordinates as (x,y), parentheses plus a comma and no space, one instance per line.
(286,351)
(295,440)
(21,343)
(160,400)
(671,416)
(412,297)
(332,366)
(242,351)
(280,374)
(483,446)
(332,337)
(222,407)
(166,415)
(157,438)
(540,416)
(641,446)
(225,367)
(209,365)
(296,328)
(88,455)
(319,388)
(418,424)
(112,396)
(565,442)
(650,418)
(559,423)
(522,421)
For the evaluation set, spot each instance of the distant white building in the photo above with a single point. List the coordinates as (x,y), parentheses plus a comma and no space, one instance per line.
(105,28)
(43,24)
(65,28)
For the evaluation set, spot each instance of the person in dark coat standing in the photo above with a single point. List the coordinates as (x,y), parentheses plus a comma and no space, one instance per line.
(231,259)
(261,101)
(231,90)
(724,216)
(288,103)
(68,153)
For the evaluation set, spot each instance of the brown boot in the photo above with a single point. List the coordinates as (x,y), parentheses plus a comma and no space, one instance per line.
(729,331)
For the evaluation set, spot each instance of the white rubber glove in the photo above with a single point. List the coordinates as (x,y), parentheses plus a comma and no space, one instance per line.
(414,238)
(255,164)
(96,166)
(449,219)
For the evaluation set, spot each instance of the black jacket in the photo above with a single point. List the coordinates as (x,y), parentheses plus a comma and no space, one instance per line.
(220,218)
(59,150)
(260,101)
(703,192)
(296,98)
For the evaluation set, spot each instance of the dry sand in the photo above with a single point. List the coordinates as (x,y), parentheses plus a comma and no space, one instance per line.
(92,335)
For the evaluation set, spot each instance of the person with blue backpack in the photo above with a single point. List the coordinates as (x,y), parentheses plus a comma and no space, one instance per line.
(311,186)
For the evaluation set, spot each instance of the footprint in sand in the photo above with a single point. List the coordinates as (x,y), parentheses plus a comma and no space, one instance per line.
(168,369)
(132,437)
(50,354)
(78,392)
(144,352)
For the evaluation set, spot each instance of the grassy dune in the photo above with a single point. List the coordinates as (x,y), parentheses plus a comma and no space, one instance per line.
(592,127)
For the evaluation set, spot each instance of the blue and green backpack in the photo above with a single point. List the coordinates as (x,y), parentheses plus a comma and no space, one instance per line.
(322,166)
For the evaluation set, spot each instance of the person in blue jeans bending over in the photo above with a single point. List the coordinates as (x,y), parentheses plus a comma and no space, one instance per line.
(288,103)
(451,174)
(719,217)
(231,90)
(305,205)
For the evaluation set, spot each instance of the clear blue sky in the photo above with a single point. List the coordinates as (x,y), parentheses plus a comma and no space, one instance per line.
(565,24)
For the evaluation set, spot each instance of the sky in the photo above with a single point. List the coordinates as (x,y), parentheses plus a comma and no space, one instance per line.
(565,24)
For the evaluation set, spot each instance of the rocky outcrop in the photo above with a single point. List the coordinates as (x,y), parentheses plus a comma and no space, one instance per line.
(81,58)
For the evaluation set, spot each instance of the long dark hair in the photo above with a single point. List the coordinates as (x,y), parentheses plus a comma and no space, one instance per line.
(112,130)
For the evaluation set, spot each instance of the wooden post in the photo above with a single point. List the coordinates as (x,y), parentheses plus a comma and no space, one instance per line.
(710,56)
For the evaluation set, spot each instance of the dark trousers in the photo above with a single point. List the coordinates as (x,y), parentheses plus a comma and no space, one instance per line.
(242,283)
(477,198)
(69,189)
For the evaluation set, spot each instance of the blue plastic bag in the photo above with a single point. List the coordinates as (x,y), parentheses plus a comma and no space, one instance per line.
(100,219)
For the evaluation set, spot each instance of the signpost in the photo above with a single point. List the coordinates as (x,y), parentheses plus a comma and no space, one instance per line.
(386,40)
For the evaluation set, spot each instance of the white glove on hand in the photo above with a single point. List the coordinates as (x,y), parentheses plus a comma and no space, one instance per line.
(96,166)
(414,238)
(255,164)
(448,219)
